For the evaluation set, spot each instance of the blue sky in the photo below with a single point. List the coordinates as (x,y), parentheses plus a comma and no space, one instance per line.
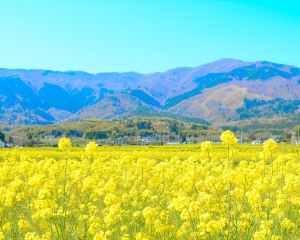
(145,36)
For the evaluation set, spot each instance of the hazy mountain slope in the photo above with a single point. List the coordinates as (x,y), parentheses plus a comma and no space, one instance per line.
(271,77)
(261,80)
(215,92)
(19,103)
(53,96)
(74,80)
(216,104)
(115,106)
(21,115)
(164,86)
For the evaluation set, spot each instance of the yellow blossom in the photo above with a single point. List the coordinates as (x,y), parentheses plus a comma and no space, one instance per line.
(91,148)
(228,137)
(64,144)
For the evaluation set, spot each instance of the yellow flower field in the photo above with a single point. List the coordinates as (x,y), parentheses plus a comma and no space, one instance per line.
(206,191)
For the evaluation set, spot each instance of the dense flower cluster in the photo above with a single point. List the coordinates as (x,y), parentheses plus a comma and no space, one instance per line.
(143,193)
(65,144)
(91,148)
(206,146)
(228,137)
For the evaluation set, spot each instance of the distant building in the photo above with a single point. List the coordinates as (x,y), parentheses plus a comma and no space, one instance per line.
(149,140)
(257,142)
(6,145)
(242,140)
(276,139)
(173,143)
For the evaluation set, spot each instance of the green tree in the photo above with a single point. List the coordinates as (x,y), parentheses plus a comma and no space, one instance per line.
(2,137)
(144,125)
(174,128)
(9,139)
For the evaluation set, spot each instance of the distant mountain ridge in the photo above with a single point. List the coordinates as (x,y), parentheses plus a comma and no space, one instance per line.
(221,91)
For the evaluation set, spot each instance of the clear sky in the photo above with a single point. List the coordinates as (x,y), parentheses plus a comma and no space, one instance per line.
(145,36)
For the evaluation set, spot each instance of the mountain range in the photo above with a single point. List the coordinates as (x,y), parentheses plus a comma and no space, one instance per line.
(218,92)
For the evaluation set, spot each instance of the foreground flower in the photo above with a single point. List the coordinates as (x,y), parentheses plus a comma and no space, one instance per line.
(64,144)
(206,146)
(91,148)
(165,192)
(270,145)
(228,137)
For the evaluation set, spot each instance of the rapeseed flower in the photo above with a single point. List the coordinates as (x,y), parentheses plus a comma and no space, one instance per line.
(158,193)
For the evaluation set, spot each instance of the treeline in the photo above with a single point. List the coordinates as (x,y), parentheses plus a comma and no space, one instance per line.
(150,130)
(5,138)
(128,131)
(254,108)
